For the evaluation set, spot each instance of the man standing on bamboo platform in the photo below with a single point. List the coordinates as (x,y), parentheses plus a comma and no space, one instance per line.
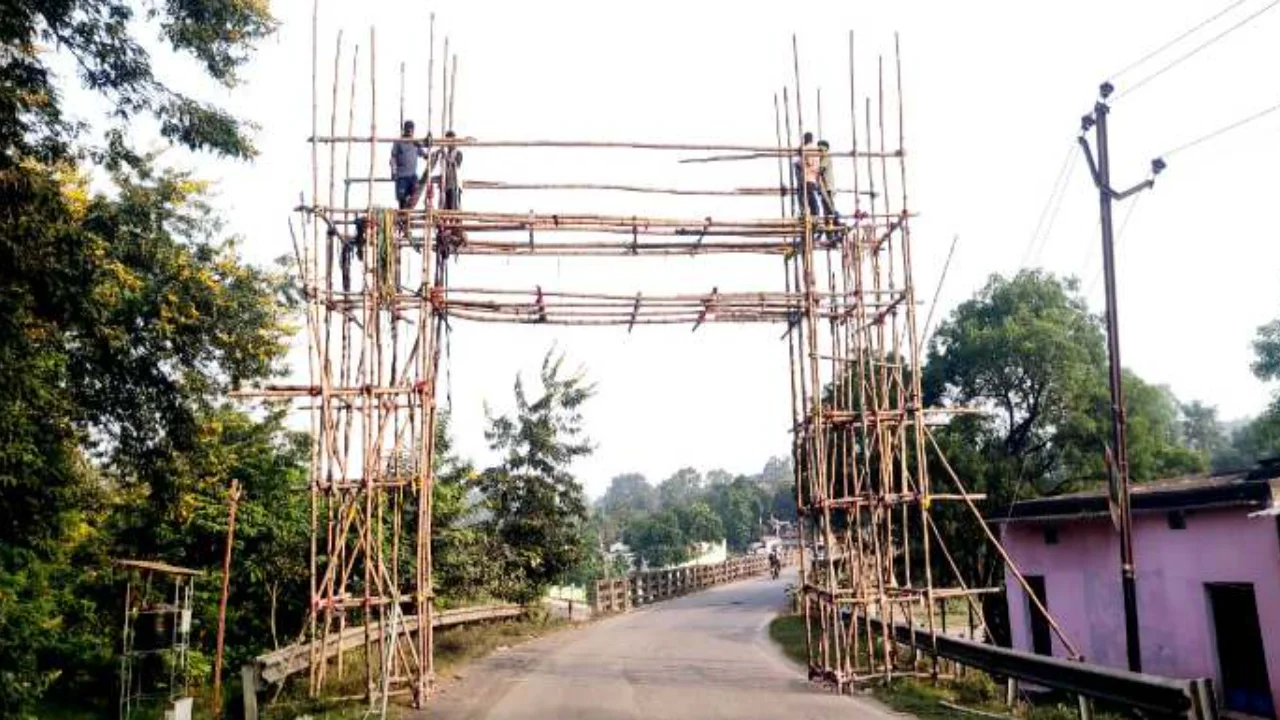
(404,165)
(827,184)
(807,175)
(445,162)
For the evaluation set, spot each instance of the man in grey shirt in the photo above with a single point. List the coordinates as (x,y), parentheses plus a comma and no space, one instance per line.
(404,165)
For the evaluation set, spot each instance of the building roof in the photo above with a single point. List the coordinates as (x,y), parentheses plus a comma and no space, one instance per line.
(1258,488)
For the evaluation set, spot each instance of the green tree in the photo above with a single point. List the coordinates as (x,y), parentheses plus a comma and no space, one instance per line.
(102,38)
(1027,351)
(537,508)
(124,315)
(741,506)
(1201,430)
(658,539)
(629,496)
(681,488)
(629,492)
(699,523)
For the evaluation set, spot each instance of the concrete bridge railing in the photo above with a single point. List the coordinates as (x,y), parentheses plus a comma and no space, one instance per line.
(650,586)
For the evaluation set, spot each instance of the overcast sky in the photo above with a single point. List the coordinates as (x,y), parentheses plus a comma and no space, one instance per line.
(993,93)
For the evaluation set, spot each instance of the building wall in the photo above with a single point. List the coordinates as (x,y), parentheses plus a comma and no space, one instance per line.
(1082,582)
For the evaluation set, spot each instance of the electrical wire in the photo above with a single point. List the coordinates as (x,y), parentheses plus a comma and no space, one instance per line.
(1196,50)
(1124,225)
(1059,187)
(1053,216)
(1177,39)
(1220,131)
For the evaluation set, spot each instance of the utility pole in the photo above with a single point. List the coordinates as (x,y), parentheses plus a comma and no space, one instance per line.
(1119,456)
(233,499)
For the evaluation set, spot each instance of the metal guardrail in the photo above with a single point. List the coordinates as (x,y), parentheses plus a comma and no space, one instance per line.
(1158,696)
(274,667)
(650,586)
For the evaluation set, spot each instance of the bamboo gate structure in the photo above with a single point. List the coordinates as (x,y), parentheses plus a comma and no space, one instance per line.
(378,300)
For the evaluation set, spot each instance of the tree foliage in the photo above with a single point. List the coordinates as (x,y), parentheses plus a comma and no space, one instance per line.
(125,315)
(101,38)
(1027,351)
(537,508)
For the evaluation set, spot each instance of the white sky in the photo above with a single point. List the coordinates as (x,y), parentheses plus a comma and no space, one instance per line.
(993,90)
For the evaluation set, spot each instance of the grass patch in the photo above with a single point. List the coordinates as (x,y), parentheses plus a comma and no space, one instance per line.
(788,632)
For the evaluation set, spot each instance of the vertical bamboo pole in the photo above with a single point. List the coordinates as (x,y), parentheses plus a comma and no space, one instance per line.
(338,546)
(453,88)
(431,79)
(371,344)
(311,363)
(922,465)
(233,499)
(444,88)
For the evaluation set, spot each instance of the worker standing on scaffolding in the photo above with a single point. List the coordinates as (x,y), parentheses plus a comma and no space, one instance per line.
(807,175)
(827,185)
(404,172)
(445,162)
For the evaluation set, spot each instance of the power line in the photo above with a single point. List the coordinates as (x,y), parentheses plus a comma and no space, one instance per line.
(1177,39)
(1196,50)
(1059,186)
(1221,131)
(1053,215)
(1124,225)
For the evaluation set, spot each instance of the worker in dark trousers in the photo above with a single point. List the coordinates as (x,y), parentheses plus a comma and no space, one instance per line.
(404,171)
(827,187)
(806,171)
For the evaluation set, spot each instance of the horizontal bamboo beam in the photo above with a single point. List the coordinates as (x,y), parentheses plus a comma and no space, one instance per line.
(651,189)
(467,142)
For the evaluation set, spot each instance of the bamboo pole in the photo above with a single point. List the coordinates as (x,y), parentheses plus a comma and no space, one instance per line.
(312,360)
(431,73)
(444,93)
(233,499)
(1008,561)
(749,152)
(453,88)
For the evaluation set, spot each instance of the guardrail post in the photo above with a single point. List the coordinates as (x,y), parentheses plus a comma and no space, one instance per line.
(1010,692)
(1086,707)
(249,690)
(1204,703)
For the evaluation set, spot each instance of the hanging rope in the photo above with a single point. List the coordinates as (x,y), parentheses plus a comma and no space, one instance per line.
(386,252)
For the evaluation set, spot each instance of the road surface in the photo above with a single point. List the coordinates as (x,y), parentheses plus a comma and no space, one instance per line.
(699,657)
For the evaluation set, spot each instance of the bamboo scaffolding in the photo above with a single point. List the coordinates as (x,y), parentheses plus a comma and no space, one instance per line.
(380,300)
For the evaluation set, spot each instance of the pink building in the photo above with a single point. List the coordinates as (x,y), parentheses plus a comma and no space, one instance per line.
(1207,551)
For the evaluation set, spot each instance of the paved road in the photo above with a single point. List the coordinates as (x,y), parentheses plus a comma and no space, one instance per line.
(700,657)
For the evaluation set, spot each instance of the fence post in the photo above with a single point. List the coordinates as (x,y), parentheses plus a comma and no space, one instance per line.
(249,690)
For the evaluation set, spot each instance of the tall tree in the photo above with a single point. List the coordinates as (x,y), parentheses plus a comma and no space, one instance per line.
(681,488)
(1201,430)
(658,540)
(1027,351)
(124,315)
(537,508)
(629,492)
